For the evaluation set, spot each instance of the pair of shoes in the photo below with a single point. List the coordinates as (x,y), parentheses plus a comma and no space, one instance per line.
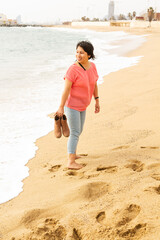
(61,122)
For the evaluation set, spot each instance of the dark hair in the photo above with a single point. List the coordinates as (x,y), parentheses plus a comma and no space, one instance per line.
(87,47)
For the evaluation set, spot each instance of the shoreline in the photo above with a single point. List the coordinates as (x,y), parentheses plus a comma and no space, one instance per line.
(133,30)
(119,108)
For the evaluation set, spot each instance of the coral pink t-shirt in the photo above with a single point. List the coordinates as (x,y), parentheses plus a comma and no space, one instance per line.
(83,84)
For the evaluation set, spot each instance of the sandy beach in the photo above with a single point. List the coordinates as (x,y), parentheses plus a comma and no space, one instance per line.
(116,196)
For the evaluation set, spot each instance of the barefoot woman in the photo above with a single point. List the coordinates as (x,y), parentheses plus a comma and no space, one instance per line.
(80,85)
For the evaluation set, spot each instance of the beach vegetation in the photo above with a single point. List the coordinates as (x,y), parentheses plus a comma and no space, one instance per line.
(121,17)
(130,16)
(95,19)
(134,14)
(112,18)
(85,19)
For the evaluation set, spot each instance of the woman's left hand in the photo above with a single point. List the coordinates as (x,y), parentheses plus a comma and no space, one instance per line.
(97,107)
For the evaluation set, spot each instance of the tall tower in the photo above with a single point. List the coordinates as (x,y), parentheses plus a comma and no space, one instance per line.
(111,10)
(19,21)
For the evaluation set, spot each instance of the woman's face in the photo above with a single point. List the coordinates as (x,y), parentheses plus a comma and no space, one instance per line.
(81,55)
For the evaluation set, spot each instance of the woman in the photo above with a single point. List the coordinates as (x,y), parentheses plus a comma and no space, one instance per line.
(80,85)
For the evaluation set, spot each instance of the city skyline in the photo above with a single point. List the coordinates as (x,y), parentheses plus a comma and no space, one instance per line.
(52,10)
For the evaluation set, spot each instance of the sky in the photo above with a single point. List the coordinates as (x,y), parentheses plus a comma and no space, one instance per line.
(51,11)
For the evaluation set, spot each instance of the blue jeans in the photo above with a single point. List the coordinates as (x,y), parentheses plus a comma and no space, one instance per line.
(75,121)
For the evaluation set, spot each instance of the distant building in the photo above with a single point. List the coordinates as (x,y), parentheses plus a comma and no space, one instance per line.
(18,19)
(3,19)
(111,10)
(67,23)
(7,22)
(11,22)
(157,16)
(139,18)
(145,16)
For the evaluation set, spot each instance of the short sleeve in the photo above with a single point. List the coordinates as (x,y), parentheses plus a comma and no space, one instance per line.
(95,71)
(70,74)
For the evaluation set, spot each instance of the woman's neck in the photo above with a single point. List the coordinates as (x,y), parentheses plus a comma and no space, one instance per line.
(86,65)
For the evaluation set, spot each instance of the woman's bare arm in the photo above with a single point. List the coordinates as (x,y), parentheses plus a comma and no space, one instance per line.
(65,94)
(95,94)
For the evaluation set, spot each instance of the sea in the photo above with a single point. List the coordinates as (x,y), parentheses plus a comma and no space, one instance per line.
(33,62)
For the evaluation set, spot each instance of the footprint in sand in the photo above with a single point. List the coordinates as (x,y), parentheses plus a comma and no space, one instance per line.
(133,233)
(100,217)
(150,147)
(128,214)
(156,176)
(153,189)
(76,235)
(135,165)
(121,220)
(157,189)
(121,147)
(50,221)
(54,168)
(155,170)
(109,169)
(79,174)
(51,229)
(153,166)
(47,229)
(74,173)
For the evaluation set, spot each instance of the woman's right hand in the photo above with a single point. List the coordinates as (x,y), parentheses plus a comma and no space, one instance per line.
(60,111)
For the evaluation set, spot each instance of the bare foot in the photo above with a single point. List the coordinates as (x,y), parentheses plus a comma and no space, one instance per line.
(74,165)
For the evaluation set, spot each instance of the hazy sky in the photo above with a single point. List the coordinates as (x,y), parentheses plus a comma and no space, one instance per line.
(51,10)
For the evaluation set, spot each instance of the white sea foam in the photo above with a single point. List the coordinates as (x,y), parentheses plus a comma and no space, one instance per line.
(31,84)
